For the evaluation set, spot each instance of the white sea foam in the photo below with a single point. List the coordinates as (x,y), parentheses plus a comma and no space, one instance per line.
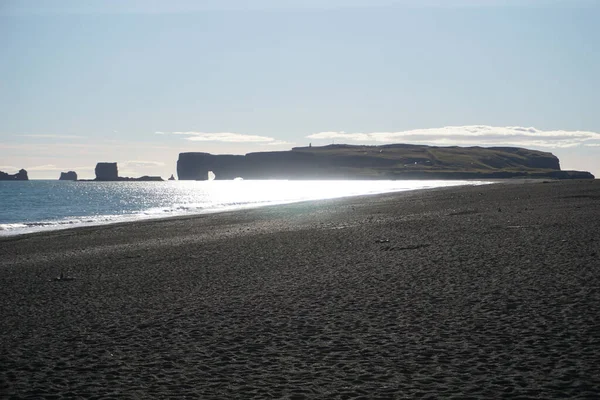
(8,227)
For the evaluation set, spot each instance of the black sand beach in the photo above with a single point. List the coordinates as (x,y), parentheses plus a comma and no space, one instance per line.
(471,292)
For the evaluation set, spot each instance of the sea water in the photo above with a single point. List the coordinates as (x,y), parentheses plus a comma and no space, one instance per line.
(31,206)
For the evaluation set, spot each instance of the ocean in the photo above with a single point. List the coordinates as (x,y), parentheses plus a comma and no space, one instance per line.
(33,206)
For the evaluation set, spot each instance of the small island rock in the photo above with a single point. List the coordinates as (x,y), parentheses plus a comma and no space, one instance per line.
(19,176)
(68,176)
(107,171)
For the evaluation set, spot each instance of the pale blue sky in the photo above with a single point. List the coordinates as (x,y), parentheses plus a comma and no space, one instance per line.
(82,82)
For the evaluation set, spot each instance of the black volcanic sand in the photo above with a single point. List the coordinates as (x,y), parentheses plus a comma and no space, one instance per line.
(472,292)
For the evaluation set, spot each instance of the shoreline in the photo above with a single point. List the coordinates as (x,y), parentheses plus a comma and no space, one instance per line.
(464,292)
(228,214)
(41,227)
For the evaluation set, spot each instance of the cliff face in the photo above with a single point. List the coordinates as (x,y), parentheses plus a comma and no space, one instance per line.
(68,176)
(397,161)
(19,176)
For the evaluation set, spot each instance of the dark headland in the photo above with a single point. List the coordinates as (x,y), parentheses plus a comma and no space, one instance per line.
(458,293)
(394,161)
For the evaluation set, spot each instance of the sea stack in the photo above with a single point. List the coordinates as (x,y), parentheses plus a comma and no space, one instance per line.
(19,176)
(68,176)
(107,171)
(172,178)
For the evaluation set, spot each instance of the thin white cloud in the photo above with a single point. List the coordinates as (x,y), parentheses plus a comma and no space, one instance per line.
(471,135)
(228,137)
(47,167)
(46,147)
(27,149)
(141,164)
(51,136)
(592,144)
(52,167)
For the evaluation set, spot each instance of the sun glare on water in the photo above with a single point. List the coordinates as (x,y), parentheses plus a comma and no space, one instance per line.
(277,192)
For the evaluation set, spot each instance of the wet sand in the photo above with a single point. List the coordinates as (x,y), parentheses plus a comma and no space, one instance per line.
(472,292)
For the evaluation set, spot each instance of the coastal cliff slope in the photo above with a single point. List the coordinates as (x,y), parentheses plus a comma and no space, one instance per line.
(394,161)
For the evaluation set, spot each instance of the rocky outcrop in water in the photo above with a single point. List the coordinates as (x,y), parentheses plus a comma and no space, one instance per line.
(395,161)
(109,172)
(144,178)
(68,176)
(19,176)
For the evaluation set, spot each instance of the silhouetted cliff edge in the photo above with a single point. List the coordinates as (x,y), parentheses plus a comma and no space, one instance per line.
(394,161)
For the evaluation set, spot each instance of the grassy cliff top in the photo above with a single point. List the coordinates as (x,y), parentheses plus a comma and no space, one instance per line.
(444,158)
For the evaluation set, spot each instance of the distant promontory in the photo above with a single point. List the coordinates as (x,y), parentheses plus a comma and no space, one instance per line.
(393,161)
(19,176)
